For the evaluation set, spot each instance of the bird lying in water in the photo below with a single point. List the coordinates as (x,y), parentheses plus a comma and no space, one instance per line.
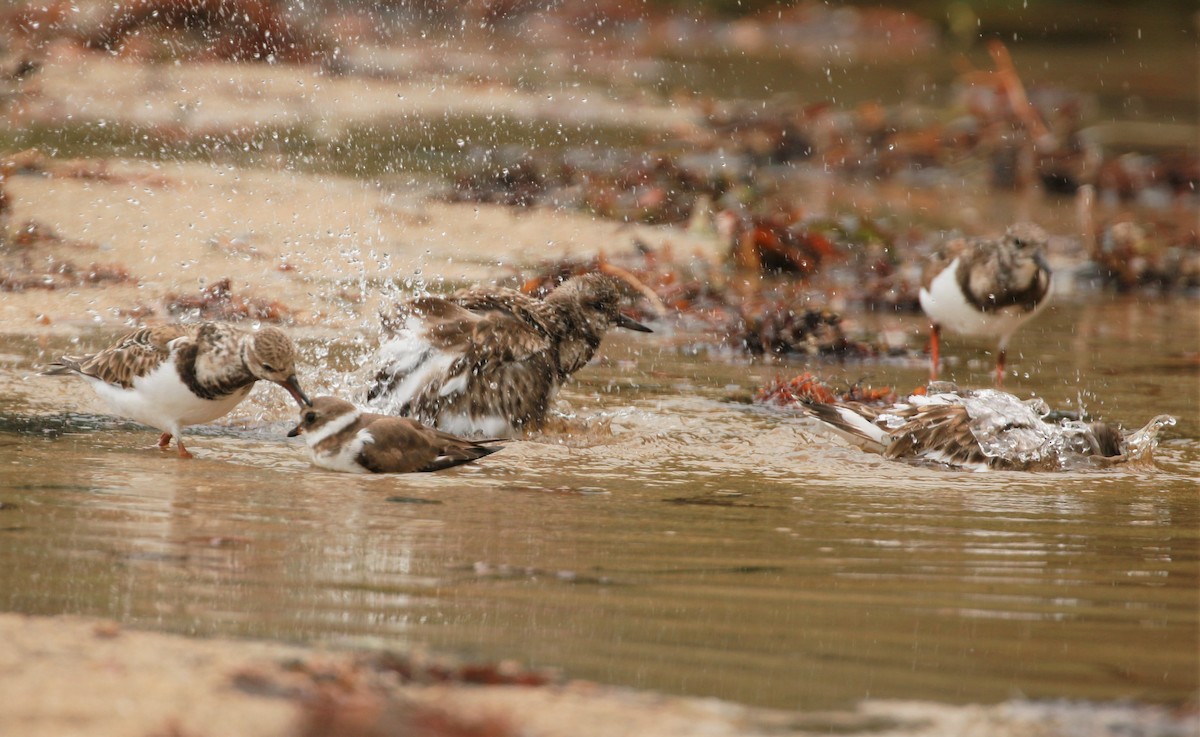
(343,438)
(984,429)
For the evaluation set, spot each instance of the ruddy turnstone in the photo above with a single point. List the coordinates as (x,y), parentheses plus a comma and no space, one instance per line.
(343,438)
(984,429)
(489,361)
(172,376)
(986,287)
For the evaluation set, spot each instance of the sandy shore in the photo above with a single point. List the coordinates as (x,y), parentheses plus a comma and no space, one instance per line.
(318,245)
(76,676)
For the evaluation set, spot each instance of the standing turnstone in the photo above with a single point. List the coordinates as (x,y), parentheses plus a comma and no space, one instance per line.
(987,428)
(986,287)
(172,376)
(489,361)
(343,438)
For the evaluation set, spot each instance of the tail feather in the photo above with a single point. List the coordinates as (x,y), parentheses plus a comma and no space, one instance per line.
(850,425)
(462,454)
(63,367)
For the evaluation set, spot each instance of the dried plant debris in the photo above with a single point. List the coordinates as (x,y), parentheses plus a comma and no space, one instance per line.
(758,316)
(234,30)
(357,695)
(634,185)
(22,268)
(1021,136)
(32,161)
(782,328)
(419,669)
(331,712)
(808,387)
(33,234)
(217,301)
(1129,255)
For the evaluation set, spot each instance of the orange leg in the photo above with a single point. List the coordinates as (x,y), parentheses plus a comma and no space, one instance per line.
(1001,358)
(164,442)
(935,334)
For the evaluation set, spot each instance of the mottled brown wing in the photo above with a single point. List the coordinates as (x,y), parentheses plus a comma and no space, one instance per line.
(432,309)
(136,354)
(529,310)
(491,335)
(501,337)
(483,299)
(938,432)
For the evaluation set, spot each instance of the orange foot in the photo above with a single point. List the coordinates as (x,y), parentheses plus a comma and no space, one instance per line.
(164,442)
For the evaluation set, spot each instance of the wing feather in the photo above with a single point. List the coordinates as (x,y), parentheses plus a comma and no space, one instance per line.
(134,355)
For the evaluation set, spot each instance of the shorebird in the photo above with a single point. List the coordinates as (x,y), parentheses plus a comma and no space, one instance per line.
(983,429)
(172,376)
(343,438)
(986,287)
(489,361)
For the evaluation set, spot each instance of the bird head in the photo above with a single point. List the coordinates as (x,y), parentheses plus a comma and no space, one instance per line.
(270,355)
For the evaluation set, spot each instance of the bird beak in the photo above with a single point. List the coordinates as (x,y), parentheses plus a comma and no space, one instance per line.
(630,324)
(293,387)
(295,431)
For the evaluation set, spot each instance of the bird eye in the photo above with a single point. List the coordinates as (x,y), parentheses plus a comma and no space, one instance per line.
(268,367)
(310,416)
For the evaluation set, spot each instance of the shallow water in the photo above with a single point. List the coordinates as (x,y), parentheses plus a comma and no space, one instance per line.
(665,536)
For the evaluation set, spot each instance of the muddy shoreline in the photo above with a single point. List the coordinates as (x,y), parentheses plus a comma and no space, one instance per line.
(93,677)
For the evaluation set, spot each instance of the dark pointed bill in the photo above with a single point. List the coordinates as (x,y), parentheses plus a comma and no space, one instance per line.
(630,324)
(295,431)
(293,387)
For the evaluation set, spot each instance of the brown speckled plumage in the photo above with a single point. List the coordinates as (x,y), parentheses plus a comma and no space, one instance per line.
(983,429)
(214,365)
(1009,272)
(491,353)
(986,287)
(136,354)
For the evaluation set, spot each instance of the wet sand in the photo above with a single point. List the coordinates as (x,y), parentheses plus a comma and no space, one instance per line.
(73,675)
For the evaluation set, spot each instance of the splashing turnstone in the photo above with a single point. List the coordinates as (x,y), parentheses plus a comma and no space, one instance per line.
(343,438)
(984,429)
(172,376)
(986,287)
(489,361)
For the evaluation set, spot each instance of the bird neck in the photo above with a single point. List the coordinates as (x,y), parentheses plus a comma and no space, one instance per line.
(577,341)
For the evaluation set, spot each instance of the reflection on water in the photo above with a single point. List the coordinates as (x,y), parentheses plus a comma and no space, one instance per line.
(675,540)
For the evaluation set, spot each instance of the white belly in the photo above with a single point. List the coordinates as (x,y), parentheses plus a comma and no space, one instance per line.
(410,353)
(160,399)
(945,304)
(483,426)
(344,458)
